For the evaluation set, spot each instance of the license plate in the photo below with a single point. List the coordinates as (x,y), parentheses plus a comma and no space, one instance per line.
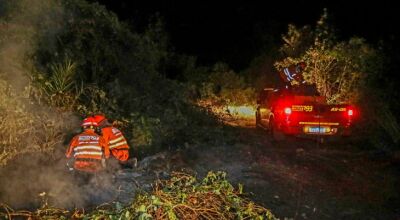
(317,130)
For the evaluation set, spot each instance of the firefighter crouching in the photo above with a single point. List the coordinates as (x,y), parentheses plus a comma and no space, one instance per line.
(117,143)
(88,149)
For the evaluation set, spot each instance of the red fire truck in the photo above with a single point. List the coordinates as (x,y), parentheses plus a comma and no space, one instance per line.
(302,111)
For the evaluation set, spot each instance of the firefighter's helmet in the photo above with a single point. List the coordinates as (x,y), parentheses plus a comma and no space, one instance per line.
(100,119)
(89,123)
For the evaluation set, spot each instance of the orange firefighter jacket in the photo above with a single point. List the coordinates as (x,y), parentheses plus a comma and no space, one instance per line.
(88,149)
(116,142)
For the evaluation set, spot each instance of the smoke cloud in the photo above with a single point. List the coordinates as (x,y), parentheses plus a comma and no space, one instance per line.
(34,136)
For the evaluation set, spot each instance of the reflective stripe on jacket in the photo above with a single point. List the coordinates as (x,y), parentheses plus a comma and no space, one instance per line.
(291,73)
(117,143)
(88,148)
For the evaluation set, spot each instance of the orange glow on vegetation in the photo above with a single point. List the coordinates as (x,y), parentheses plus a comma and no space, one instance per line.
(242,111)
(235,111)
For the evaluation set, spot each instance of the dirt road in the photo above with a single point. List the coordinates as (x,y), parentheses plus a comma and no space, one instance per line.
(301,179)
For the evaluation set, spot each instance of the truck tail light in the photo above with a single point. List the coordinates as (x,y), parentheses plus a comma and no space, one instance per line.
(350,112)
(287,111)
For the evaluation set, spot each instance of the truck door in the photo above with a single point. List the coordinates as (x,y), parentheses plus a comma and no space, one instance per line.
(265,106)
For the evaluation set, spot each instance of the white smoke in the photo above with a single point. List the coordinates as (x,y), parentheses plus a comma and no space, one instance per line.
(33,136)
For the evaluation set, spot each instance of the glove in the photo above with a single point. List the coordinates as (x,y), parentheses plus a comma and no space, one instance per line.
(70,168)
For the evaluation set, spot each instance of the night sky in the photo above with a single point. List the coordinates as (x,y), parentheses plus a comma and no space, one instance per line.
(233,31)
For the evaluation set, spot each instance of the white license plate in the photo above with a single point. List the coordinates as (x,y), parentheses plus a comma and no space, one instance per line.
(317,130)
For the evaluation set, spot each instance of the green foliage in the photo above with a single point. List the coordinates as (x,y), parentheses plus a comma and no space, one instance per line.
(61,79)
(339,72)
(93,100)
(222,86)
(87,62)
(296,41)
(180,197)
(337,68)
(59,85)
(114,71)
(117,71)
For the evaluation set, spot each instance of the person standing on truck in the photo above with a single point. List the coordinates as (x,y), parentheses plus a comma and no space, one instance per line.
(88,150)
(293,73)
(116,141)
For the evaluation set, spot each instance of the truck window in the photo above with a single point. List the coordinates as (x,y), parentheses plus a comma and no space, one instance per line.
(263,96)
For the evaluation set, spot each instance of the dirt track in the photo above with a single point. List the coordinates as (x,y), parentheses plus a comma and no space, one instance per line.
(302,179)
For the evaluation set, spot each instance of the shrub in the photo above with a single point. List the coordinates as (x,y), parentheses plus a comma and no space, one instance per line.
(27,127)
(180,197)
(222,87)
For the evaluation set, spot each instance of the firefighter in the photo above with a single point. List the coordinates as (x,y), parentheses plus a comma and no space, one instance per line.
(116,141)
(293,73)
(88,149)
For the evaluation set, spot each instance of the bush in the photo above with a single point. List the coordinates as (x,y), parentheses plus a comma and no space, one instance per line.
(180,197)
(116,71)
(26,127)
(183,197)
(220,86)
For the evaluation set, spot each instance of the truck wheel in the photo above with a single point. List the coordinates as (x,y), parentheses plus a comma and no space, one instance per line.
(275,133)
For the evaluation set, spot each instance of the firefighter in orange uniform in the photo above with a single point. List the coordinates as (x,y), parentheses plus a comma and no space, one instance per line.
(88,149)
(115,139)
